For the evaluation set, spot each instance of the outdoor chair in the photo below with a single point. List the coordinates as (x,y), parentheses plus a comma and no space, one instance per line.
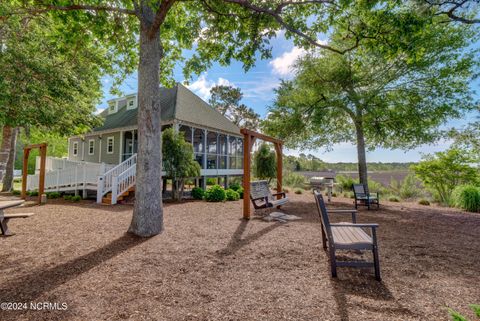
(262,197)
(363,197)
(347,236)
(5,218)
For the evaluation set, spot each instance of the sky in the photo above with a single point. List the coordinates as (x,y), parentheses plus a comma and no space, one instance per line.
(258,85)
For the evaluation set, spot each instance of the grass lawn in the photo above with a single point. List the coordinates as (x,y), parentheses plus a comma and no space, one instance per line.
(211,265)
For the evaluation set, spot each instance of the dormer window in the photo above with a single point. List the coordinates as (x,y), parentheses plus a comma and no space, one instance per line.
(112,107)
(131,102)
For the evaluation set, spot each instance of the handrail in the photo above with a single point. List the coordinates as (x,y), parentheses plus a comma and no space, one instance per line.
(122,182)
(105,181)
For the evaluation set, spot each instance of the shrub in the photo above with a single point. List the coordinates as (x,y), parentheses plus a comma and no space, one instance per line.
(76,198)
(211,181)
(345,182)
(294,180)
(456,316)
(409,187)
(216,193)
(264,162)
(424,202)
(198,193)
(394,199)
(67,197)
(376,187)
(444,171)
(334,194)
(32,193)
(467,197)
(298,191)
(240,192)
(53,195)
(15,192)
(232,195)
(235,186)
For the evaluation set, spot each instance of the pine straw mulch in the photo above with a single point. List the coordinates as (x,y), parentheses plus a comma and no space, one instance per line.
(209,264)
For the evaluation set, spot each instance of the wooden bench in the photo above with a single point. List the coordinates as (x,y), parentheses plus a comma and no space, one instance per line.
(262,197)
(5,218)
(363,197)
(347,236)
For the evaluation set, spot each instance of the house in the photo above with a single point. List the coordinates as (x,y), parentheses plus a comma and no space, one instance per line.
(217,142)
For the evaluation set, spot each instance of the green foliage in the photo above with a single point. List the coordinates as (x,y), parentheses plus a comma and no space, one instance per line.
(232,195)
(211,181)
(67,197)
(424,202)
(409,187)
(476,309)
(16,192)
(226,99)
(240,192)
(293,180)
(345,182)
(466,197)
(442,172)
(198,193)
(76,198)
(178,160)
(216,193)
(298,191)
(394,199)
(53,195)
(32,193)
(456,316)
(235,186)
(265,166)
(376,187)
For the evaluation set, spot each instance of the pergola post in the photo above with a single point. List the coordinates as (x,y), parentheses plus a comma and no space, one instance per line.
(249,138)
(41,180)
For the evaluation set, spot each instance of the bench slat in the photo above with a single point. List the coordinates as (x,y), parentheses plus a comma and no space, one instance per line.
(8,204)
(17,215)
(351,237)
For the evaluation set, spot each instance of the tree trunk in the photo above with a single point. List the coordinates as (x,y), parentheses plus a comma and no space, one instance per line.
(5,149)
(8,178)
(362,157)
(147,217)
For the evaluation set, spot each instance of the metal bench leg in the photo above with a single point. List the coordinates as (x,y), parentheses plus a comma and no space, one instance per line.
(4,227)
(333,262)
(376,263)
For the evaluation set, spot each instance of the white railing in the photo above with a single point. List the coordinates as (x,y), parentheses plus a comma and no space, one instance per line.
(55,163)
(72,177)
(105,181)
(122,182)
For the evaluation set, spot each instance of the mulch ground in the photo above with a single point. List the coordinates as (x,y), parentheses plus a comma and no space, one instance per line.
(209,264)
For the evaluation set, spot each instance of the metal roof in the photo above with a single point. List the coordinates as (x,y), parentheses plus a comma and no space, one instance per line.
(177,103)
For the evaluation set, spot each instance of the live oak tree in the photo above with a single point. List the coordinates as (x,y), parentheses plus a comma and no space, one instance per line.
(227,100)
(374,98)
(46,81)
(157,32)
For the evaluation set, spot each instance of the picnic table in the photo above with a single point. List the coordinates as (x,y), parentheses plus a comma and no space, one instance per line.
(5,218)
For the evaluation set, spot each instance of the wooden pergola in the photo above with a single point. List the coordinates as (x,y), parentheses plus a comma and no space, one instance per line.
(41,180)
(249,137)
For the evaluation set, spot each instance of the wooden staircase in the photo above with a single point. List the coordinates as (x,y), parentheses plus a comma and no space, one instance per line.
(107,199)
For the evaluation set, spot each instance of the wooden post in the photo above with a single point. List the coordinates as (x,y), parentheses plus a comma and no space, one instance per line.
(41,180)
(246,176)
(278,149)
(26,153)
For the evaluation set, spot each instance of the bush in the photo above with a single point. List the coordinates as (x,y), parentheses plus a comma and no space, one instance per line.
(76,198)
(235,186)
(240,192)
(298,191)
(32,193)
(53,195)
(334,194)
(409,187)
(216,193)
(394,199)
(67,197)
(211,181)
(198,193)
(345,182)
(294,180)
(467,197)
(424,202)
(232,195)
(15,192)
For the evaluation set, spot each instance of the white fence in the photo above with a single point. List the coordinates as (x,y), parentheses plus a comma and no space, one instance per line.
(122,171)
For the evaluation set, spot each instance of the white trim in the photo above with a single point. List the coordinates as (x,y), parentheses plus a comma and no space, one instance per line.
(93,149)
(99,149)
(133,99)
(114,104)
(110,138)
(74,153)
(120,150)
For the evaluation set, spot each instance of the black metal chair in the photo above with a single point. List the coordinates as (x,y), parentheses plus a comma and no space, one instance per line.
(363,197)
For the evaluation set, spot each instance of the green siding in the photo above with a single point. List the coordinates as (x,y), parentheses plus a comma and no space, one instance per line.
(111,158)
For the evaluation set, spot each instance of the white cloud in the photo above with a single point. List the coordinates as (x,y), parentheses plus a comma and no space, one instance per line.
(283,65)
(202,85)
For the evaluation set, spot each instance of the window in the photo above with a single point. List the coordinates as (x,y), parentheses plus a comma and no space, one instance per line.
(75,149)
(112,107)
(235,152)
(131,102)
(222,151)
(198,145)
(91,147)
(110,142)
(212,150)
